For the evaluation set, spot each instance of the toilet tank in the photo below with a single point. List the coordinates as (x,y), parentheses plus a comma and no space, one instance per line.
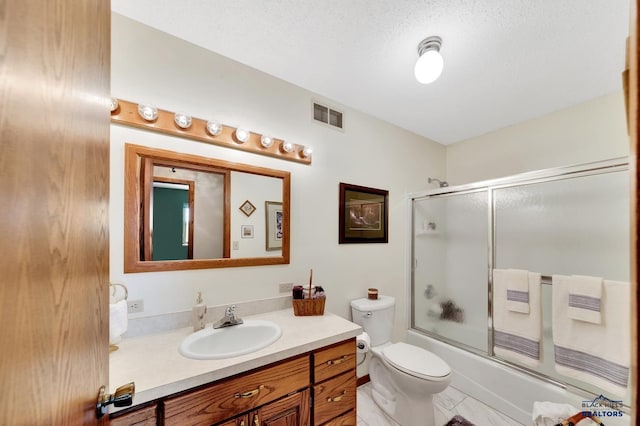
(375,316)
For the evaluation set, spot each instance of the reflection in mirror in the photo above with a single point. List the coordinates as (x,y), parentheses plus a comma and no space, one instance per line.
(186,215)
(184,212)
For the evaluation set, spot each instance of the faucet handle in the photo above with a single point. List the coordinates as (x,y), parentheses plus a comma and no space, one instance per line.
(230,311)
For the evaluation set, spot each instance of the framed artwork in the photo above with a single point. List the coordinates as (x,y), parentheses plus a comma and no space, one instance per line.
(246,231)
(363,214)
(247,208)
(274,227)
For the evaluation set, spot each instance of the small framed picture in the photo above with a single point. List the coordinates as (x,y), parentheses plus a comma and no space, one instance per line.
(363,214)
(275,231)
(246,231)
(247,208)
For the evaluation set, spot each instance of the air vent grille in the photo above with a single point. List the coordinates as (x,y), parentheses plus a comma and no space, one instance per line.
(326,115)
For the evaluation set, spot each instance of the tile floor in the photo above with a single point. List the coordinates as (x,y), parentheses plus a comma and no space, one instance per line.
(446,404)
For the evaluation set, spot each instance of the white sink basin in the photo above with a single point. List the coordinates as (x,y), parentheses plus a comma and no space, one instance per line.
(228,342)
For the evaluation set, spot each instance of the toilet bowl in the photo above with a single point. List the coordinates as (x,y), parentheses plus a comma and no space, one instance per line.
(403,377)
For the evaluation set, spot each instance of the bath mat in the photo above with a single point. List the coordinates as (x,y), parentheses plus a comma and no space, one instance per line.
(459,421)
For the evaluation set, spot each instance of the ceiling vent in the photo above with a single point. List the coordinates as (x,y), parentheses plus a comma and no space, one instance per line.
(329,116)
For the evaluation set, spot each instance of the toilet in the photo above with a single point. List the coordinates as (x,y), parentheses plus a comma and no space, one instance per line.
(403,377)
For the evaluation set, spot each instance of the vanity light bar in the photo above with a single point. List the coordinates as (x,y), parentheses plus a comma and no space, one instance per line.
(126,113)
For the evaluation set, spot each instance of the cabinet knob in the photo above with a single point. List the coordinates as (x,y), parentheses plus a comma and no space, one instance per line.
(256,420)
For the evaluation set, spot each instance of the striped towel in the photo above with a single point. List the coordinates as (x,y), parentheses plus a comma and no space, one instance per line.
(517,335)
(594,353)
(517,282)
(585,295)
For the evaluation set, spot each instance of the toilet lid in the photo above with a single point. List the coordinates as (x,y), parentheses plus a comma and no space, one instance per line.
(415,361)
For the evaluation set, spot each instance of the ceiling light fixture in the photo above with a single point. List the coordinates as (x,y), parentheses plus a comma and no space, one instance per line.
(306,152)
(242,135)
(429,65)
(214,128)
(148,112)
(266,141)
(286,147)
(182,120)
(114,104)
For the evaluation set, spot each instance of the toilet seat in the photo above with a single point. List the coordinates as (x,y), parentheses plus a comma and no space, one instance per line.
(416,361)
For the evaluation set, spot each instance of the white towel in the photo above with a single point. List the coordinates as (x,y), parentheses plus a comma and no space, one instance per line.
(547,413)
(117,321)
(517,282)
(585,294)
(595,353)
(517,335)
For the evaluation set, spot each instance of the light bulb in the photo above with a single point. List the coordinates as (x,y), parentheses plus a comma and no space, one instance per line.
(286,146)
(114,104)
(242,135)
(266,141)
(306,152)
(182,120)
(429,66)
(148,112)
(214,128)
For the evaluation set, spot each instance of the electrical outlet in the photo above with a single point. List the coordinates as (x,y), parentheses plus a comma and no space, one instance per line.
(286,287)
(135,306)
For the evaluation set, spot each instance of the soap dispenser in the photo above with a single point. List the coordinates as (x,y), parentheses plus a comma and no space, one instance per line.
(199,313)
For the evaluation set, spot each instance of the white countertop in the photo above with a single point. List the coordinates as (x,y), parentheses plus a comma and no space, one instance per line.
(157,368)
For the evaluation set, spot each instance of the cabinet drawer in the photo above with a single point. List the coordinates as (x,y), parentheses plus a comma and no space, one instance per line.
(334,360)
(334,397)
(230,397)
(141,417)
(347,419)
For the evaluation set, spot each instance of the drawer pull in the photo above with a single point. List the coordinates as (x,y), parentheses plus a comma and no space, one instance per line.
(337,398)
(340,360)
(256,420)
(241,422)
(249,394)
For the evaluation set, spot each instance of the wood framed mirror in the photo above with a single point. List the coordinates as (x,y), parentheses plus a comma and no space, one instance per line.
(184,211)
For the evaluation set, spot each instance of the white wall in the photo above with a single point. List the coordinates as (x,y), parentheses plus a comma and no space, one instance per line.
(591,131)
(153,67)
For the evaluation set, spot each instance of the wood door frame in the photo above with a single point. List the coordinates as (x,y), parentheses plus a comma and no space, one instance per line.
(632,96)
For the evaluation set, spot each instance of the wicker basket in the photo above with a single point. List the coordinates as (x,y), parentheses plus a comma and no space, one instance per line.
(306,307)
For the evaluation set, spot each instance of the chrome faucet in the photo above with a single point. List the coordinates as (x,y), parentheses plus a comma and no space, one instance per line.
(229,319)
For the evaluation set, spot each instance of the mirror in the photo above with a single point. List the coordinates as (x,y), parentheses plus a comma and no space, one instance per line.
(183,211)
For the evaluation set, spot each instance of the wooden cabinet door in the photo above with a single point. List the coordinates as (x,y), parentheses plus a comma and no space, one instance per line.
(237,421)
(290,411)
(54,133)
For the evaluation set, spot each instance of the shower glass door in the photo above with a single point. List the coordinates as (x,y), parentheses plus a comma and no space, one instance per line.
(450,264)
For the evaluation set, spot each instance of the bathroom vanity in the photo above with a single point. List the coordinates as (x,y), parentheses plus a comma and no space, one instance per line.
(307,377)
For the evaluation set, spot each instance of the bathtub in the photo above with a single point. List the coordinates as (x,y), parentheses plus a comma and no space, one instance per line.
(501,387)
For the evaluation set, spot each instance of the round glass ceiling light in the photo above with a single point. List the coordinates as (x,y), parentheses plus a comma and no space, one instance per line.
(266,141)
(148,112)
(430,63)
(242,135)
(182,120)
(114,104)
(286,146)
(214,128)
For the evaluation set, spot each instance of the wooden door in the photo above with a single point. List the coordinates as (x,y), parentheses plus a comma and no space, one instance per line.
(54,188)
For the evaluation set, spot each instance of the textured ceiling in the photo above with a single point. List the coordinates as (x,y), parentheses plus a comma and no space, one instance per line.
(506,61)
